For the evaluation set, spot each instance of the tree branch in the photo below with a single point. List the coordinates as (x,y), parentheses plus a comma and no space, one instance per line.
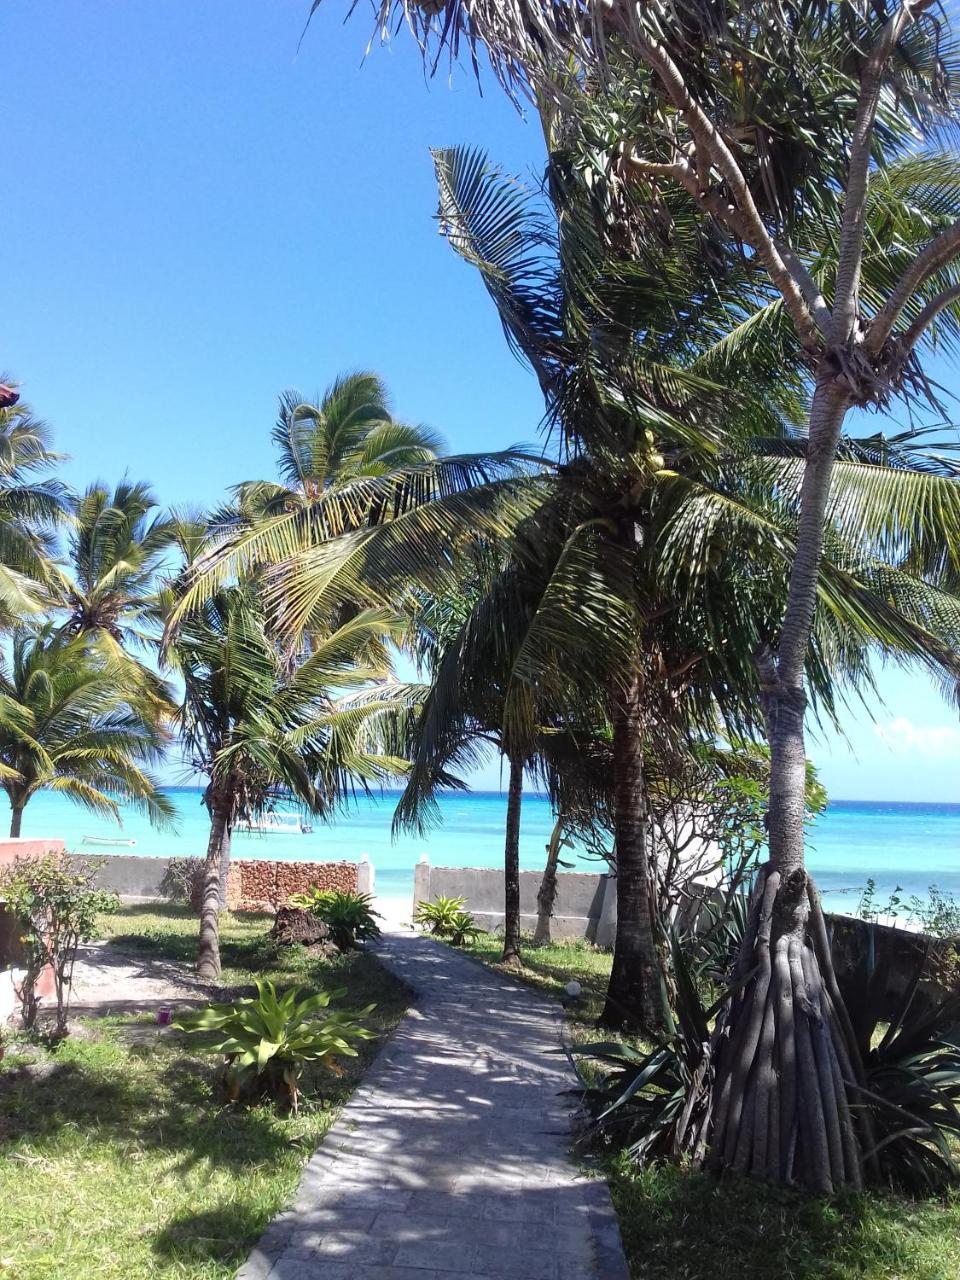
(851,229)
(927,316)
(937,254)
(742,217)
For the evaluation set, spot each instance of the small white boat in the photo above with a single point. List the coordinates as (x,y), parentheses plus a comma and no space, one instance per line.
(109,840)
(276,824)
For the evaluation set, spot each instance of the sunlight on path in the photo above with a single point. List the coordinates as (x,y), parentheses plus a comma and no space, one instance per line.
(451,1159)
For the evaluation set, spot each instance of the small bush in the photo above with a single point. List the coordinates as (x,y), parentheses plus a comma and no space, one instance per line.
(437,917)
(268,1039)
(57,902)
(349,917)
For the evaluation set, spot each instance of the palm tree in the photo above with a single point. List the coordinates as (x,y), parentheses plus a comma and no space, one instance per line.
(347,434)
(261,728)
(70,722)
(32,505)
(771,126)
(117,544)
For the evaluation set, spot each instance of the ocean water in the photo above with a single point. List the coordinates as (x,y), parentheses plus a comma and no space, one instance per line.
(909,846)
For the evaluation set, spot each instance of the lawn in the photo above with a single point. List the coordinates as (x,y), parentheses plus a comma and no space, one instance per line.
(118,1155)
(549,968)
(682,1225)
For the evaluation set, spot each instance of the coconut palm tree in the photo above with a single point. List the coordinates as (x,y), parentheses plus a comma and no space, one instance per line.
(346,434)
(72,722)
(261,728)
(32,506)
(117,544)
(773,125)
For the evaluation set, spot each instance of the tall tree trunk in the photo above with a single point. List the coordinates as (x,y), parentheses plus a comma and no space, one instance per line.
(208,948)
(511,866)
(225,865)
(786,1056)
(636,993)
(16,821)
(547,893)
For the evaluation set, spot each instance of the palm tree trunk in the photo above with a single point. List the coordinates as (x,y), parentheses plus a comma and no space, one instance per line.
(786,1056)
(636,992)
(511,866)
(547,893)
(16,821)
(225,865)
(208,948)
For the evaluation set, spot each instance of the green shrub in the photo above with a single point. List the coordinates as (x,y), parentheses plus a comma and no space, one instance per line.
(57,903)
(349,916)
(464,929)
(437,917)
(268,1039)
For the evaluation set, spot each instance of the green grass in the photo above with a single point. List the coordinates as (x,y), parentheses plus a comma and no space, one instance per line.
(118,1155)
(551,967)
(683,1225)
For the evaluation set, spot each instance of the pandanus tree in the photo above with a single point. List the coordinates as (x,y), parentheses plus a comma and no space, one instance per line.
(774,122)
(261,727)
(72,722)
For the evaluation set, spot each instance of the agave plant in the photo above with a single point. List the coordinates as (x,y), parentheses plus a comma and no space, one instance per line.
(437,917)
(655,1104)
(268,1039)
(909,1101)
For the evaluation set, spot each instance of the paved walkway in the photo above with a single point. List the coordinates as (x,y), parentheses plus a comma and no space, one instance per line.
(450,1162)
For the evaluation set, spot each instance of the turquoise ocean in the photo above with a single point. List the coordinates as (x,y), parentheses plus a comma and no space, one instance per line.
(907,845)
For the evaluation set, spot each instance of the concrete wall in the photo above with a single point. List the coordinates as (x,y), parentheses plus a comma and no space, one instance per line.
(585,906)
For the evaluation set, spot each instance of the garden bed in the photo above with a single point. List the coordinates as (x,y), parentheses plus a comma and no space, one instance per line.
(118,1155)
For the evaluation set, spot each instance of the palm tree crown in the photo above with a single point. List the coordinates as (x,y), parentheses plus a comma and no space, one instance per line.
(71,721)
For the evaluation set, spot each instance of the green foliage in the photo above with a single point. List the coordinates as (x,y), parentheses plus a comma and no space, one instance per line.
(77,720)
(58,904)
(912,1064)
(654,1105)
(463,929)
(438,915)
(349,916)
(268,1039)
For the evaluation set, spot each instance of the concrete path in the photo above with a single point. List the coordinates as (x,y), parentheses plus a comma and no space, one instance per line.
(450,1162)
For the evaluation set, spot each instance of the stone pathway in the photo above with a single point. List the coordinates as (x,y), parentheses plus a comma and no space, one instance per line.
(450,1161)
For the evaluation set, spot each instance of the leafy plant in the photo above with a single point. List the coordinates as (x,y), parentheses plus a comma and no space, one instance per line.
(463,929)
(58,904)
(869,908)
(911,1090)
(268,1039)
(655,1104)
(349,916)
(437,917)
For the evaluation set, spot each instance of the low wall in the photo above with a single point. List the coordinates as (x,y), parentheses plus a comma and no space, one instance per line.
(585,906)
(256,884)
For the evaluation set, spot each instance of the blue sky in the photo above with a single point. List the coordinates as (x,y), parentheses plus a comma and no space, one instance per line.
(196,215)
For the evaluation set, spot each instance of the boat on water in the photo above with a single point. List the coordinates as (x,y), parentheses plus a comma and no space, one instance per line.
(109,841)
(276,824)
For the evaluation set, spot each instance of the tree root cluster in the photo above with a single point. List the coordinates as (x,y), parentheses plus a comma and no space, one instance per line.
(787,1062)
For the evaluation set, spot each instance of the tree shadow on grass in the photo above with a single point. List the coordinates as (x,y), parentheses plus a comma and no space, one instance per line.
(223,1235)
(681,1223)
(178,1109)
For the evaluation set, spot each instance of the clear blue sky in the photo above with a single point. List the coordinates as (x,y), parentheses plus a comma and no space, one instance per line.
(196,215)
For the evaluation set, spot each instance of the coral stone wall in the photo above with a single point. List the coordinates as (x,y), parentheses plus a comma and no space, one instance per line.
(264,886)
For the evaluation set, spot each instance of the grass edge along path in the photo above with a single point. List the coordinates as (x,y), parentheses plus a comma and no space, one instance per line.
(118,1156)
